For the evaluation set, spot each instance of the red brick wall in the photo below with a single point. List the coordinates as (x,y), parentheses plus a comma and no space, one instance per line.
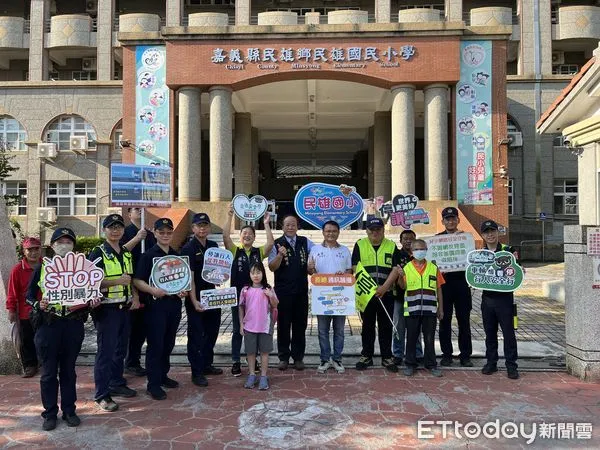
(436,60)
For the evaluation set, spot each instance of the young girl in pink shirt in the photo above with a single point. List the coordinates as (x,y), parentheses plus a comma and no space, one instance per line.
(258,313)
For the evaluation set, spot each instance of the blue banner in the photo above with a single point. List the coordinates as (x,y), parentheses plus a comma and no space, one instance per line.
(316,203)
(152,106)
(474,175)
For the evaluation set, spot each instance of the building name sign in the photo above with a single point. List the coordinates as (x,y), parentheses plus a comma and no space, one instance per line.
(307,58)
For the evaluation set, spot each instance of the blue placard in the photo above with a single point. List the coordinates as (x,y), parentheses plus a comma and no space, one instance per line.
(316,203)
(136,185)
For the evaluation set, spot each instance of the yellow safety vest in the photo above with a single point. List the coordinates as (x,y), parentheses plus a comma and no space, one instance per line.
(377,264)
(112,271)
(420,295)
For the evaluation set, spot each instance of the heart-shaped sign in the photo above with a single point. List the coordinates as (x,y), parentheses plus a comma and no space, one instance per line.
(249,209)
(316,203)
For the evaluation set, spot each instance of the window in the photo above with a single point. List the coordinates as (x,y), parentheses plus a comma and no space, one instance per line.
(61,130)
(17,205)
(511,198)
(565,197)
(12,133)
(72,198)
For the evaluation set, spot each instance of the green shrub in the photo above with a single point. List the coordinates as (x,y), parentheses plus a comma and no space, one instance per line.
(85,244)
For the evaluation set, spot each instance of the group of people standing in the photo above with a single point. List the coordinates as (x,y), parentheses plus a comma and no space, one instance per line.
(411,296)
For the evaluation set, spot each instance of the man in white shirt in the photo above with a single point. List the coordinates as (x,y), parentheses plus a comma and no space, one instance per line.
(330,257)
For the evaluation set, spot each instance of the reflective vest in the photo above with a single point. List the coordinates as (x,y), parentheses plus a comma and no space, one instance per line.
(420,295)
(377,264)
(112,271)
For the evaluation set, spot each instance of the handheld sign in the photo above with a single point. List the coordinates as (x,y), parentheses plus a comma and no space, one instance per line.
(71,280)
(403,211)
(493,271)
(172,273)
(333,294)
(365,287)
(316,203)
(449,251)
(218,298)
(249,209)
(217,265)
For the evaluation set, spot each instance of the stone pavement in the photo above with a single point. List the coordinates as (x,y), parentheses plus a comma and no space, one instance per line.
(356,410)
(541,333)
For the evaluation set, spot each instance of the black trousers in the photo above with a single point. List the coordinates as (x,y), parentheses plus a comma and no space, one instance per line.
(162,319)
(457,297)
(414,326)
(58,343)
(497,309)
(137,336)
(202,333)
(374,313)
(28,352)
(292,320)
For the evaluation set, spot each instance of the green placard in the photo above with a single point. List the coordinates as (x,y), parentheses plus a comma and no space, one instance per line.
(493,271)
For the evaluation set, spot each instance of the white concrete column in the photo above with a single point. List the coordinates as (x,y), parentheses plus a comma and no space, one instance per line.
(220,155)
(104,40)
(242,169)
(436,142)
(530,32)
(453,10)
(381,155)
(371,161)
(383,11)
(243,8)
(403,139)
(255,171)
(189,168)
(174,12)
(38,55)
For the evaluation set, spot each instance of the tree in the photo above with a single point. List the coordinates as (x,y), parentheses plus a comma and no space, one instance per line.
(6,169)
(9,362)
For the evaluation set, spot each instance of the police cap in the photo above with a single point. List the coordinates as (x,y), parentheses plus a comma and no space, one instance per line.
(63,232)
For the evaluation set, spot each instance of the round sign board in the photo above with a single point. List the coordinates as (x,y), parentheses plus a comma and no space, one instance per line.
(172,273)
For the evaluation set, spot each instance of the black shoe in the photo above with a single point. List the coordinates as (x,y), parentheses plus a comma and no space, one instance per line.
(489,369)
(364,362)
(212,370)
(389,365)
(200,380)
(397,361)
(72,419)
(169,383)
(446,361)
(236,369)
(157,394)
(137,371)
(107,404)
(283,365)
(123,391)
(513,374)
(299,364)
(466,362)
(49,424)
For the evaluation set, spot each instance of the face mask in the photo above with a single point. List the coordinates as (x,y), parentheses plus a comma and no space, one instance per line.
(419,255)
(62,249)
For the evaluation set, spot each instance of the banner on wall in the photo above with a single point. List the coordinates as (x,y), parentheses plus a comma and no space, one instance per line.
(152,106)
(474,175)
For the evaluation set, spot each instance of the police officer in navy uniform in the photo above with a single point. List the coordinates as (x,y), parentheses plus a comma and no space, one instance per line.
(163,313)
(58,341)
(202,325)
(289,260)
(497,309)
(111,318)
(132,239)
(457,296)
